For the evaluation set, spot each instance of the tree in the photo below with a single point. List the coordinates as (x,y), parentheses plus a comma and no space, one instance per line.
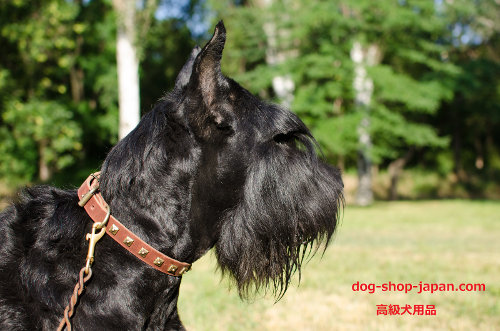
(472,117)
(363,87)
(435,79)
(40,49)
(409,76)
(129,34)
(58,82)
(57,86)
(410,80)
(167,46)
(276,54)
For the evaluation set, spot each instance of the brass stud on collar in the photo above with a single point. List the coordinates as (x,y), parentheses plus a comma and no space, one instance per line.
(114,229)
(172,268)
(158,262)
(128,241)
(184,270)
(143,252)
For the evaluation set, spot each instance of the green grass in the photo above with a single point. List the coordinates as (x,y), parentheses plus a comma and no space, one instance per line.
(431,241)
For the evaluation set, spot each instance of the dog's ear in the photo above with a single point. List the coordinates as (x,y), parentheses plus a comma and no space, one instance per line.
(207,74)
(185,74)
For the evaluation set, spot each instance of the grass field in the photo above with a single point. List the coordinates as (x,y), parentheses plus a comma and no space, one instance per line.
(430,241)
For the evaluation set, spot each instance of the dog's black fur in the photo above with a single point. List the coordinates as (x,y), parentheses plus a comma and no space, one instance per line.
(210,165)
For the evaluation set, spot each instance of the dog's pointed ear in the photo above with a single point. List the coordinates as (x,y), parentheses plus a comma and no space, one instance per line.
(211,54)
(206,71)
(185,74)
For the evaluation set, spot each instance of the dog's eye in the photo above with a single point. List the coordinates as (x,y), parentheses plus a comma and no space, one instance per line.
(294,139)
(284,138)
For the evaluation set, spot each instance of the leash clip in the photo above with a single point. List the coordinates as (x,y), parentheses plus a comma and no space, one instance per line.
(93,238)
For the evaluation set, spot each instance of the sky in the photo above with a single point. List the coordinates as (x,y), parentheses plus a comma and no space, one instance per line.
(198,24)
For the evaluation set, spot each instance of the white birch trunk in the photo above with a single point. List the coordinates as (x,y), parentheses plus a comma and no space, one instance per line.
(363,86)
(127,67)
(283,86)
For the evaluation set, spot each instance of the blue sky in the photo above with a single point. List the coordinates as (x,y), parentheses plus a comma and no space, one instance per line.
(199,23)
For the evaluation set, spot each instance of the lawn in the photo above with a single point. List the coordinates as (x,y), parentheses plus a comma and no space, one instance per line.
(400,242)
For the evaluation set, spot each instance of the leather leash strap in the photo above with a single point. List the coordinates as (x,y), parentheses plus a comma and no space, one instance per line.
(95,206)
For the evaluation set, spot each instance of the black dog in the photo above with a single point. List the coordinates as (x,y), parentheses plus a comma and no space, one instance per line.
(210,165)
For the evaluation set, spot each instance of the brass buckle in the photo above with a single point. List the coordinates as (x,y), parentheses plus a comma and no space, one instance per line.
(94,237)
(86,197)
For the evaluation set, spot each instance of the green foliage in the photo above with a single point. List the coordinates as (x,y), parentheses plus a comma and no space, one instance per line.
(37,129)
(42,100)
(393,134)
(414,75)
(345,139)
(436,78)
(400,88)
(58,81)
(167,47)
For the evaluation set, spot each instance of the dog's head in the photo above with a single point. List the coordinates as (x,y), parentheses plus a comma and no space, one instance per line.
(256,188)
(275,198)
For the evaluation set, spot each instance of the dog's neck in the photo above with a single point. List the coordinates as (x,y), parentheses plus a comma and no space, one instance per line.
(159,211)
(150,196)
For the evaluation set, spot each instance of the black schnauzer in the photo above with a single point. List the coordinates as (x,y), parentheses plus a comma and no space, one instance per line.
(210,165)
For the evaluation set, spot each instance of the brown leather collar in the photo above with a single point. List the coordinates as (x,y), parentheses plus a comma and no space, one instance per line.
(97,208)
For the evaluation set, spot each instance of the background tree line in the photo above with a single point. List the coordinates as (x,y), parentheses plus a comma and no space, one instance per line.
(396,91)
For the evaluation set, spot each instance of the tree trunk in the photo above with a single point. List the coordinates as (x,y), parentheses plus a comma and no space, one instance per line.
(76,75)
(364,194)
(363,86)
(395,169)
(127,66)
(479,148)
(283,86)
(44,172)
(457,147)
(76,80)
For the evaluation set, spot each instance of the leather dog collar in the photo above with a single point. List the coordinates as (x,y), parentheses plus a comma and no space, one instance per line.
(95,206)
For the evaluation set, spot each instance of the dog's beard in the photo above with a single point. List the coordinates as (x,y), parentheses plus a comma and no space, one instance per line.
(289,208)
